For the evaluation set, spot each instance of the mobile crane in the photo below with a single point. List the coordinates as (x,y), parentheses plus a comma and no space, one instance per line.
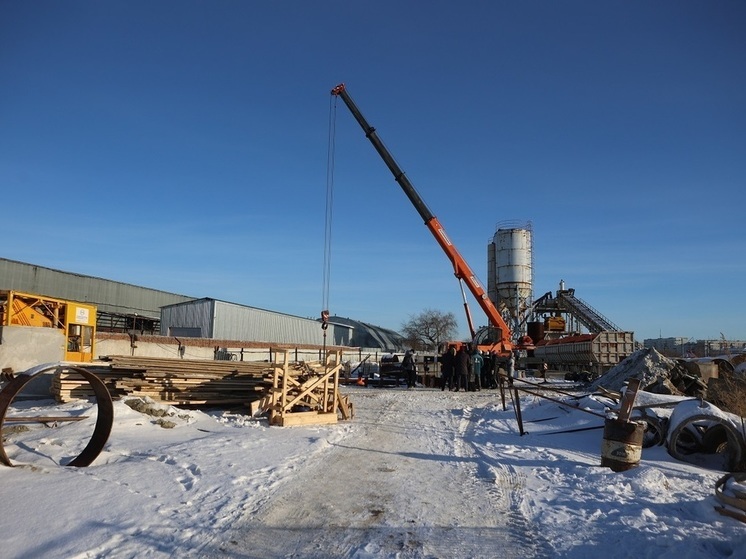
(499,337)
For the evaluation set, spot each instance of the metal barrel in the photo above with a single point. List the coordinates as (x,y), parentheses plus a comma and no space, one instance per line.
(622,444)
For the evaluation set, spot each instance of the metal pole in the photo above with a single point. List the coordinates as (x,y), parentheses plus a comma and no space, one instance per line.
(518,412)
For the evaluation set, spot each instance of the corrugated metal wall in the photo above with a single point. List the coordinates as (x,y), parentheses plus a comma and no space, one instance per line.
(228,321)
(108,296)
(236,322)
(215,319)
(193,315)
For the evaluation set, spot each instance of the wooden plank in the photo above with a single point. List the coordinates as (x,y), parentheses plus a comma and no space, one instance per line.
(343,405)
(306,418)
(277,387)
(628,399)
(45,418)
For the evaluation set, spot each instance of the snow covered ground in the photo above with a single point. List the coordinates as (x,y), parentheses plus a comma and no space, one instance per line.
(417,473)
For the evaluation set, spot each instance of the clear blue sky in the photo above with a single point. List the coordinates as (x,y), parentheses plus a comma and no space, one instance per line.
(182,145)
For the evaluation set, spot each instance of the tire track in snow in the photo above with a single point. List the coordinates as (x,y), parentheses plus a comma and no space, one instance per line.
(506,486)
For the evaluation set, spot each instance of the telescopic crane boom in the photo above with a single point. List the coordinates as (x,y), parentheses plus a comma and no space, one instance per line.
(460,268)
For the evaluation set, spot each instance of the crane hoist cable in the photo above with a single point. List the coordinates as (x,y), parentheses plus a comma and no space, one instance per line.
(328,218)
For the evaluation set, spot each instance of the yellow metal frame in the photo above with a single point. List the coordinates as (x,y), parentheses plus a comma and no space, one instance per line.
(76,320)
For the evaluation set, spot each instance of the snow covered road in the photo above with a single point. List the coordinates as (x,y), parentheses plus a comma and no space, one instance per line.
(417,474)
(405,482)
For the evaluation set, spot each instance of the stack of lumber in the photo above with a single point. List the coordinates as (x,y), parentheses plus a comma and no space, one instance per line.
(171,381)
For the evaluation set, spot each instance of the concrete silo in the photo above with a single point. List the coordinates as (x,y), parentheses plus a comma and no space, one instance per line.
(510,270)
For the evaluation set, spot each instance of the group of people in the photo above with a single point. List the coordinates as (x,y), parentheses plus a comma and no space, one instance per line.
(466,368)
(470,369)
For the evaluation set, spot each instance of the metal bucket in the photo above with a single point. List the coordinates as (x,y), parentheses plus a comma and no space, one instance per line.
(622,445)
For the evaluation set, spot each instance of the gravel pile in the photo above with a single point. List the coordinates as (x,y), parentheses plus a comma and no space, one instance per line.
(647,364)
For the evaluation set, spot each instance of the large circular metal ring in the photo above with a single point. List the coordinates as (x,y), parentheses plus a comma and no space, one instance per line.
(655,427)
(721,492)
(703,435)
(104,421)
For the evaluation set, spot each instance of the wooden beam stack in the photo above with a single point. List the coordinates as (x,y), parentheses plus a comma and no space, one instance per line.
(292,393)
(172,381)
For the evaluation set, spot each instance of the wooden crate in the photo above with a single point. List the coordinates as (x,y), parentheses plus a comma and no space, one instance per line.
(306,394)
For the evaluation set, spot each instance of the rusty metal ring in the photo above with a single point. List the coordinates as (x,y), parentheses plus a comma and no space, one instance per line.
(738,501)
(104,421)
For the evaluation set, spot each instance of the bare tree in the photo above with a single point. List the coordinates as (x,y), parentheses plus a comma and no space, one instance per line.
(429,328)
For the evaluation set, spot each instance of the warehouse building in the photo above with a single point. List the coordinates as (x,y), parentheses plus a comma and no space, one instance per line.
(127,308)
(212,318)
(121,306)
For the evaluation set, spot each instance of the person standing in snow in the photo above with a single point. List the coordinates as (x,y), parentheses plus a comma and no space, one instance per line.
(491,366)
(511,366)
(477,362)
(462,369)
(447,363)
(410,368)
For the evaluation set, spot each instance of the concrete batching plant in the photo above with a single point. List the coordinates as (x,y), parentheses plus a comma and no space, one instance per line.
(510,272)
(568,333)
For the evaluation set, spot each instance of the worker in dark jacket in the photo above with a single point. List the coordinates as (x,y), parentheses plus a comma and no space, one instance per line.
(462,368)
(447,364)
(477,363)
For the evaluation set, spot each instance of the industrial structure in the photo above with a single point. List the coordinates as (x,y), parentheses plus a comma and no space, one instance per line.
(369,335)
(121,307)
(510,271)
(221,320)
(568,333)
(75,322)
(571,335)
(116,307)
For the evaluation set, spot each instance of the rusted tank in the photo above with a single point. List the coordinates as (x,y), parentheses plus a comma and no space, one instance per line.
(622,444)
(535,330)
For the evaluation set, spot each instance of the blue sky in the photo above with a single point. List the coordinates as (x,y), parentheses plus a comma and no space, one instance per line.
(182,145)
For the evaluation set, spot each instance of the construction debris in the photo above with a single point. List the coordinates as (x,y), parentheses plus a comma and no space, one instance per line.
(676,410)
(657,374)
(731,492)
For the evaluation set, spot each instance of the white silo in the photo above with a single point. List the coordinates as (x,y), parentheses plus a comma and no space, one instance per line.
(510,269)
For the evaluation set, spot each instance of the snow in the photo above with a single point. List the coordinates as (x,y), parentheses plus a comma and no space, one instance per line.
(418,473)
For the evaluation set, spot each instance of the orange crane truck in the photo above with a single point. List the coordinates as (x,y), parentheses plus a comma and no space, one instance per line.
(500,336)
